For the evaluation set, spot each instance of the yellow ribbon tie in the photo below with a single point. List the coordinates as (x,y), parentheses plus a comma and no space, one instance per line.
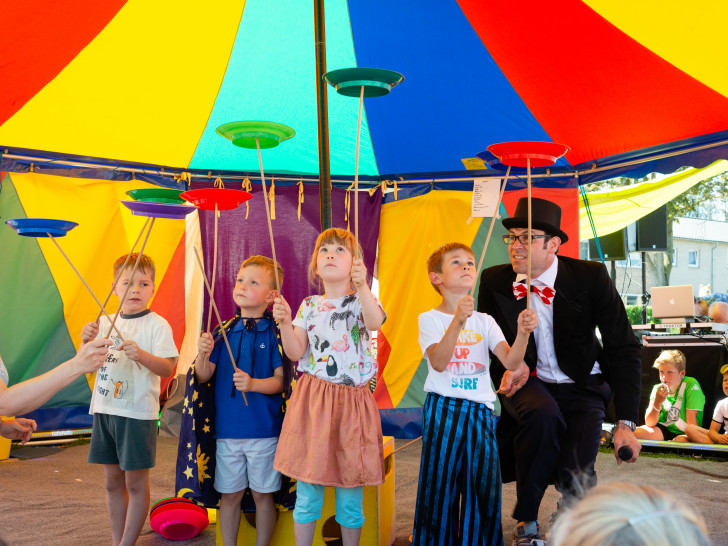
(272,198)
(247,186)
(300,197)
(347,205)
(218,183)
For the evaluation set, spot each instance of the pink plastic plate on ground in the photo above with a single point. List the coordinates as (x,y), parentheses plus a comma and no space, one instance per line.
(205,198)
(516,154)
(180,524)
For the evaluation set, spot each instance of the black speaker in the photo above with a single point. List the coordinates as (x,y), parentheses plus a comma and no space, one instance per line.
(612,245)
(652,231)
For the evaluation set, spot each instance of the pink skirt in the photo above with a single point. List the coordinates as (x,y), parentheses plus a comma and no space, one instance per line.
(332,435)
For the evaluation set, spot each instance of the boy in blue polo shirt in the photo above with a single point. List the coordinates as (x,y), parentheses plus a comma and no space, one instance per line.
(247,436)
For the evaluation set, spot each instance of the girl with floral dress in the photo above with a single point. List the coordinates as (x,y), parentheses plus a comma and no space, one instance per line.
(332,434)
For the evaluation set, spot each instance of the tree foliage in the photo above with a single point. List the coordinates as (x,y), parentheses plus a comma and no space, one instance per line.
(706,200)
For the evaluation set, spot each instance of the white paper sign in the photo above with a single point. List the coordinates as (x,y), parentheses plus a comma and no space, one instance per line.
(485,197)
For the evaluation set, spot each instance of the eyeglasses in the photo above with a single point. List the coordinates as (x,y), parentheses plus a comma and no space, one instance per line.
(522,238)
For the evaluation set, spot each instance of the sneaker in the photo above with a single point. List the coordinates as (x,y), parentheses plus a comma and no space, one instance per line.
(527,534)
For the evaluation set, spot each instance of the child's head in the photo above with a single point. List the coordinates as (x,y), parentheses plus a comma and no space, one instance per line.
(449,258)
(724,371)
(623,513)
(255,285)
(142,286)
(331,243)
(671,365)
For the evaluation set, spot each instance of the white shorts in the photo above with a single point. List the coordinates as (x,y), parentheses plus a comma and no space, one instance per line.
(246,462)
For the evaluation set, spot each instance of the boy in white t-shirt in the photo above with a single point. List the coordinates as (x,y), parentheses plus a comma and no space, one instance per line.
(459,453)
(699,435)
(125,398)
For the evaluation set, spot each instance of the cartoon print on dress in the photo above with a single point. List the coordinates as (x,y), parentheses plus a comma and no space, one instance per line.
(355,333)
(348,299)
(331,368)
(365,368)
(311,361)
(346,380)
(325,305)
(340,316)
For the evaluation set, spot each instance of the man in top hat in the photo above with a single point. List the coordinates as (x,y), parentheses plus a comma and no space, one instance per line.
(555,403)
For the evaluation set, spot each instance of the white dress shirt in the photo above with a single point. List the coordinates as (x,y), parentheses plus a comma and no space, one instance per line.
(547,367)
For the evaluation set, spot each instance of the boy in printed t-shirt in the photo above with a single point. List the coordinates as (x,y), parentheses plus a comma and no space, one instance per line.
(459,453)
(125,399)
(699,435)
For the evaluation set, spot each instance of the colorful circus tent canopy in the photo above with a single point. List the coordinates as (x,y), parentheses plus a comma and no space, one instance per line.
(133,91)
(138,83)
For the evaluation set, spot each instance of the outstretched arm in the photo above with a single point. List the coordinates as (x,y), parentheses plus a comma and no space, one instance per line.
(33,393)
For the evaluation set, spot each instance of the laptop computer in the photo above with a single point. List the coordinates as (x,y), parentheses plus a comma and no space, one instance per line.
(673,303)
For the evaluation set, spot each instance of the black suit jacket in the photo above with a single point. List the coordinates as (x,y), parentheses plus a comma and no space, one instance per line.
(585,298)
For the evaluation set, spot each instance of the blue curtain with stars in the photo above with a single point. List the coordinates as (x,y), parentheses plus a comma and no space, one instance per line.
(196,451)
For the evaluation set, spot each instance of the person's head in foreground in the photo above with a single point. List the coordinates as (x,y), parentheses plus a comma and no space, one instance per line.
(546,235)
(623,514)
(718,311)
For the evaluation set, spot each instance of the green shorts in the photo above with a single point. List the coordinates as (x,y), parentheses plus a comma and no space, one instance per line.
(130,443)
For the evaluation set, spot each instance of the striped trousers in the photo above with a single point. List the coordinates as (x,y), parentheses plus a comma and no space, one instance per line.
(459,489)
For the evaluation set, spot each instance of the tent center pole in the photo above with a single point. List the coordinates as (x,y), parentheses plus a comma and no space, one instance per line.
(322,115)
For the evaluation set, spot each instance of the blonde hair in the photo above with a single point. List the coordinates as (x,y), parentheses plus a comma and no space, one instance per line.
(673,357)
(269,265)
(623,514)
(434,262)
(333,236)
(146,264)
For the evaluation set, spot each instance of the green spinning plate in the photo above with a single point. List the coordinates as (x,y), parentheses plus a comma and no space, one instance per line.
(377,82)
(244,133)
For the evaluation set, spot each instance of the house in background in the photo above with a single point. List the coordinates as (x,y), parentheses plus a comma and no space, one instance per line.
(700,258)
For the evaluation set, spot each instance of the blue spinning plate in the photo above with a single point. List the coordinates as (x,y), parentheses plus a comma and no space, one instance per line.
(41,227)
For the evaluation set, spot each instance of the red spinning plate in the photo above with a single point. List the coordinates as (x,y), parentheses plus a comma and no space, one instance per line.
(516,154)
(206,198)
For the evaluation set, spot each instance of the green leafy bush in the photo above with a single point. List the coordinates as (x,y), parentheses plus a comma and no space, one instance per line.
(634,314)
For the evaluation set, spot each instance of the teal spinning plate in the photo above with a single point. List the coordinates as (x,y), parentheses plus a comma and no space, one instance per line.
(244,133)
(376,82)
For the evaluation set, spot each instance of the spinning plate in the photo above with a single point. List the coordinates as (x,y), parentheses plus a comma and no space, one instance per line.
(158,210)
(41,227)
(541,154)
(206,198)
(157,195)
(377,82)
(243,133)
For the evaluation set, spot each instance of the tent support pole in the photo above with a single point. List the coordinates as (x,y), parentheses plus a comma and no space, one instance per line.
(322,115)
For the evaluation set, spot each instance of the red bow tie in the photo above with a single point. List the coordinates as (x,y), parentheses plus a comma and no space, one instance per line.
(546,293)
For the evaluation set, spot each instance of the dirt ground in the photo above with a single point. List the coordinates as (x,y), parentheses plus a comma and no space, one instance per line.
(59,498)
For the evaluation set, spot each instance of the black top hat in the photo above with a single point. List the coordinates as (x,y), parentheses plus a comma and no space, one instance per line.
(545,215)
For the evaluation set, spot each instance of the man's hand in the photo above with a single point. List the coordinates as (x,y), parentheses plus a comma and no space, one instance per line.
(92,355)
(512,381)
(17,429)
(623,436)
(243,382)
